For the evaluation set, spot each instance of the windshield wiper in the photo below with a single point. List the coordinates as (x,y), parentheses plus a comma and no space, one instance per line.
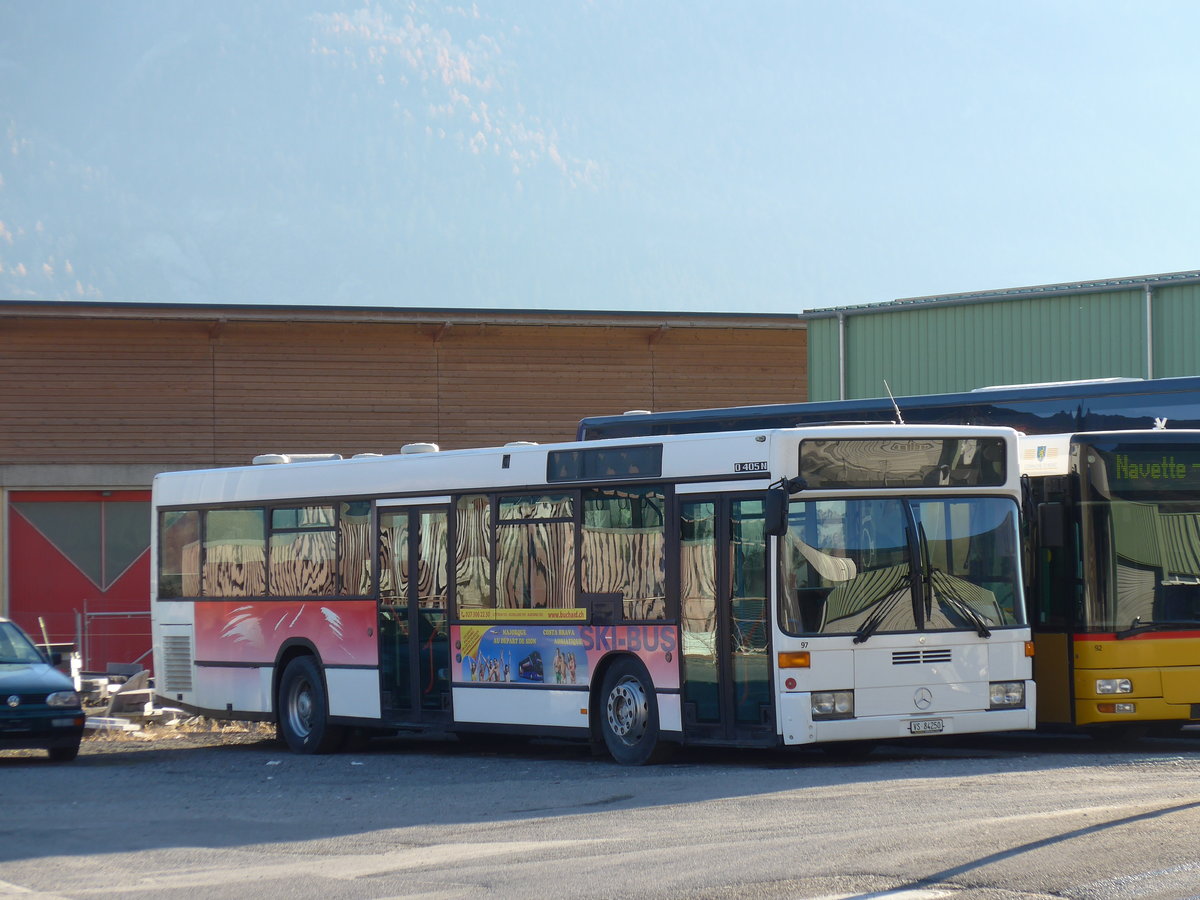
(943,594)
(1140,627)
(960,606)
(963,609)
(869,627)
(875,620)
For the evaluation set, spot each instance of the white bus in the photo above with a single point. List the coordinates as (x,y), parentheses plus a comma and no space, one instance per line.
(775,587)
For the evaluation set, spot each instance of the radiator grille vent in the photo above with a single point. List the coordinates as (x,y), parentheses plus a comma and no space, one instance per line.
(177,663)
(917,657)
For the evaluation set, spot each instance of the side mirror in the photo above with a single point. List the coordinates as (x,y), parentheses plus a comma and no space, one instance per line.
(775,504)
(1052,525)
(775,510)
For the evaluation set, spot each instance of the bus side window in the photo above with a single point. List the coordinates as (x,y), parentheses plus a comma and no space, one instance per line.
(355,574)
(179,554)
(235,553)
(473,553)
(535,552)
(624,548)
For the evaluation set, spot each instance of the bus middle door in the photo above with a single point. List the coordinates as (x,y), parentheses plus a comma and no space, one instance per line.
(414,632)
(725,621)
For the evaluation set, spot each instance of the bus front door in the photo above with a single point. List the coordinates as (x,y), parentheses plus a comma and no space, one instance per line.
(414,633)
(725,624)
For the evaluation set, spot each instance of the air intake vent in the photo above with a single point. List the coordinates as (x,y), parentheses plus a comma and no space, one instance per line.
(917,657)
(277,459)
(177,663)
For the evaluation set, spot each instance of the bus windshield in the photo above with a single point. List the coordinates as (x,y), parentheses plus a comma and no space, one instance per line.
(1141,537)
(872,566)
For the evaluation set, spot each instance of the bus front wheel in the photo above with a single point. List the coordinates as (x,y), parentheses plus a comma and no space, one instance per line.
(303,709)
(629,715)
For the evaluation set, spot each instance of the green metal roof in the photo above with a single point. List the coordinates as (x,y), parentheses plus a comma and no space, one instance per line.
(1069,287)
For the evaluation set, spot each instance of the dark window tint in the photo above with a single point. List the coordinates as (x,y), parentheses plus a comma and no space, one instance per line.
(605,463)
(179,554)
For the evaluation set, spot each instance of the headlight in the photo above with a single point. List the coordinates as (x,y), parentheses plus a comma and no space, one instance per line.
(1114,686)
(63,698)
(1007,694)
(833,705)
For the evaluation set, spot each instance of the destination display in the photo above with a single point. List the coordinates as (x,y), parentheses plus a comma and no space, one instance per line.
(903,462)
(1132,468)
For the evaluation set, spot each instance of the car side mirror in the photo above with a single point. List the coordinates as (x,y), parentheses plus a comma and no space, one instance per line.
(775,504)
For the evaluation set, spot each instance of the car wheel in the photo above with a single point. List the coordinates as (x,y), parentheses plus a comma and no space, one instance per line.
(63,754)
(629,715)
(302,710)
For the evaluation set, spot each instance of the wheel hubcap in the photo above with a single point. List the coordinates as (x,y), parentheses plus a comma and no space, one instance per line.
(300,709)
(628,711)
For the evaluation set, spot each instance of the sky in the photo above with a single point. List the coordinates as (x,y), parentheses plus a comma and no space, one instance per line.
(650,155)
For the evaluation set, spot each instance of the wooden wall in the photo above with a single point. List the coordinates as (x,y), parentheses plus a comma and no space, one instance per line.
(168,391)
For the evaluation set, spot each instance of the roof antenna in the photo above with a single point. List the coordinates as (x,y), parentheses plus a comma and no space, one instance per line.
(895,405)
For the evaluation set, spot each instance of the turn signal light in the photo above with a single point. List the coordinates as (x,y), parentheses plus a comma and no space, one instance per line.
(1029,648)
(795,659)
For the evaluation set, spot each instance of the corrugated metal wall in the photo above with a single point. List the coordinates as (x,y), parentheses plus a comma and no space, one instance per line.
(936,347)
(1177,331)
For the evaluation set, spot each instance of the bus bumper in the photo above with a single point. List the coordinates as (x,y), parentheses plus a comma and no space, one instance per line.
(799,727)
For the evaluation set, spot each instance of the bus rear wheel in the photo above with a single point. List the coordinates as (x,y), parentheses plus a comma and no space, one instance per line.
(303,709)
(629,715)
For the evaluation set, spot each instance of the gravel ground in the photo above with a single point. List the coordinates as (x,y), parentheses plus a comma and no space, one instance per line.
(189,733)
(223,812)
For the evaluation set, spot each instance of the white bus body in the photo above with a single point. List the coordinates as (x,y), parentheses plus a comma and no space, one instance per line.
(533,628)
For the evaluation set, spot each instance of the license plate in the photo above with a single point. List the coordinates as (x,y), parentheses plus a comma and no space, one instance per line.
(926,726)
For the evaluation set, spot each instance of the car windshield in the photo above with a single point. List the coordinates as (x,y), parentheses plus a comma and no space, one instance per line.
(15,647)
(874,566)
(1140,535)
(1147,572)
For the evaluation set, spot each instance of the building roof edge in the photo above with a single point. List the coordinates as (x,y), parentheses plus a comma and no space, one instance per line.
(1044,290)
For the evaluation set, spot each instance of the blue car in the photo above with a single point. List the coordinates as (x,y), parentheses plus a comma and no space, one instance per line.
(38,705)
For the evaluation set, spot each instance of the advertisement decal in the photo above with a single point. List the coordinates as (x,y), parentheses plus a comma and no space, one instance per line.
(558,655)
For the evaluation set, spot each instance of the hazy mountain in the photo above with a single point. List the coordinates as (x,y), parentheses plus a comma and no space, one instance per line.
(269,151)
(603,154)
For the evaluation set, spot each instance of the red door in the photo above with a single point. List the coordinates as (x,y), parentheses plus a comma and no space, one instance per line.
(79,562)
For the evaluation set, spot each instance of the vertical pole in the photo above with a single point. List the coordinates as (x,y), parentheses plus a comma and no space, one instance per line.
(1149,331)
(4,610)
(841,356)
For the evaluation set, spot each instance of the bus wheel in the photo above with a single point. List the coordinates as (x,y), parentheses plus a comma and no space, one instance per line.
(303,710)
(629,717)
